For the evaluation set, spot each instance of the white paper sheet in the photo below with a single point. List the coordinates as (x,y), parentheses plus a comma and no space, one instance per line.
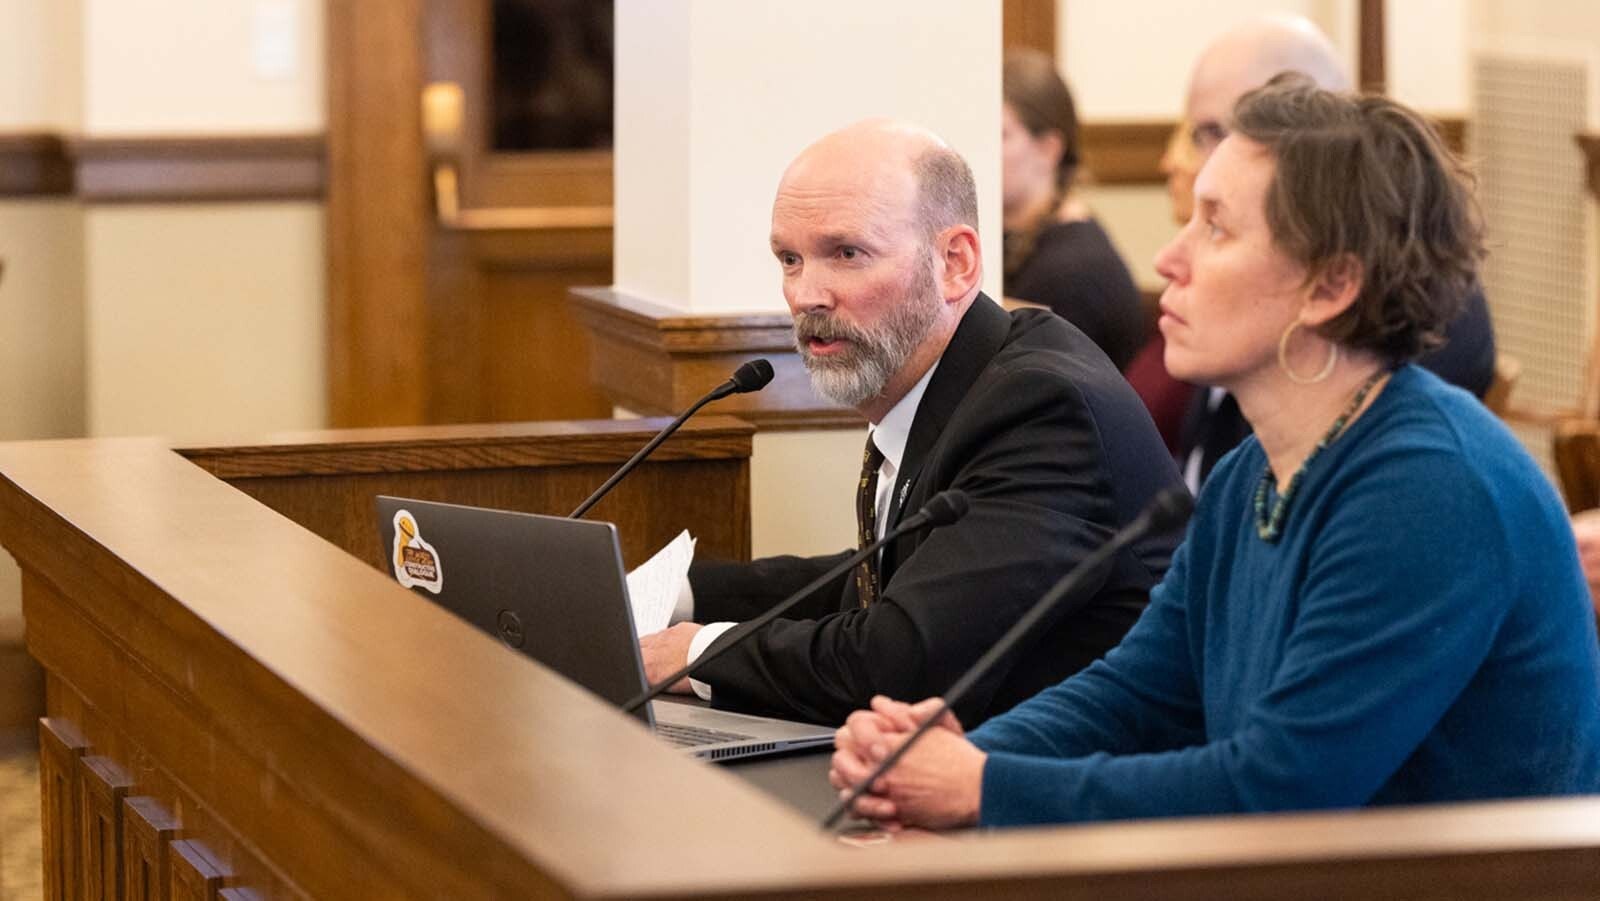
(654,586)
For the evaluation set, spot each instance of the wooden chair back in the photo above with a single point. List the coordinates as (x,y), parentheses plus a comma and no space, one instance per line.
(1575,448)
(1498,397)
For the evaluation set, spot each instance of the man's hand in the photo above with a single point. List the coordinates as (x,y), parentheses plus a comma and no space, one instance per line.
(937,785)
(666,652)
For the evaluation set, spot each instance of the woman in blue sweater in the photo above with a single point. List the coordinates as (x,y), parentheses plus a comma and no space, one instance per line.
(1379,599)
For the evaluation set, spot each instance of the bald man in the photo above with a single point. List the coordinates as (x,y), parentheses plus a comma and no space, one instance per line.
(1239,61)
(875,232)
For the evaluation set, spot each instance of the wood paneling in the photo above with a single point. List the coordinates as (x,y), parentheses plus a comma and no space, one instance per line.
(1370,26)
(102,786)
(60,747)
(503,343)
(1125,153)
(147,831)
(34,164)
(1129,153)
(378,215)
(325,733)
(433,322)
(193,875)
(326,481)
(657,361)
(200,168)
(1030,24)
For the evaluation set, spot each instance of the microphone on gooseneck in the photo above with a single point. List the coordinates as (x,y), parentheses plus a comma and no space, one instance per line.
(752,376)
(1168,510)
(942,509)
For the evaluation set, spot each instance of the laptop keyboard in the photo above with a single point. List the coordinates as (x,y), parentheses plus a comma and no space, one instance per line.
(695,736)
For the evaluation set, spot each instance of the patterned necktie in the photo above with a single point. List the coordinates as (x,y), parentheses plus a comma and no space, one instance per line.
(867,522)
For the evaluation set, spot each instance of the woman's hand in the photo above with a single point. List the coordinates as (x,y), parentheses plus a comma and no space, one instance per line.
(936,785)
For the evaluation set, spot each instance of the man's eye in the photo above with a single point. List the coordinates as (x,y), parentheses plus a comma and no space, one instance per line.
(1207,135)
(787,259)
(849,253)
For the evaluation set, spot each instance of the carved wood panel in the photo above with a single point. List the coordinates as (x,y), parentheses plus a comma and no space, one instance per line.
(102,786)
(147,829)
(193,876)
(60,746)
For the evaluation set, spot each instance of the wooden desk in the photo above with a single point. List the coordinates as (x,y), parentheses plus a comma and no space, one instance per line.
(237,704)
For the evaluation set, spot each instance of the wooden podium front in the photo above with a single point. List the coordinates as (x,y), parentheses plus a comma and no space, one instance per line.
(241,705)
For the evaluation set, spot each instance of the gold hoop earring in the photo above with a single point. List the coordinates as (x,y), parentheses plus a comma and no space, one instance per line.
(1283,359)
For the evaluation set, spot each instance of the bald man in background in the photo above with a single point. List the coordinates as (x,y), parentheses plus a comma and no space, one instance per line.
(1241,60)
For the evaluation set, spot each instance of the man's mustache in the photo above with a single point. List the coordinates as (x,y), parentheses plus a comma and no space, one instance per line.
(824,327)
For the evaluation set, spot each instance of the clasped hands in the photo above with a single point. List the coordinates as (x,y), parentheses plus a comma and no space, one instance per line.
(938,784)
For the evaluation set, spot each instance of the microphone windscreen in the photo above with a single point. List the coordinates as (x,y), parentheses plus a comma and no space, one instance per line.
(945,507)
(752,376)
(1170,509)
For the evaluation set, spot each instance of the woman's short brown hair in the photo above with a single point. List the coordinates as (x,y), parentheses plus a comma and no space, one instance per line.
(1363,177)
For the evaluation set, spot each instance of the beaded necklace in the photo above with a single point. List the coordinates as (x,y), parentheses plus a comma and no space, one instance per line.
(1270,526)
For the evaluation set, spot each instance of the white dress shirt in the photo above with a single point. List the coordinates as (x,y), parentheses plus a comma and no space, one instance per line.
(890,434)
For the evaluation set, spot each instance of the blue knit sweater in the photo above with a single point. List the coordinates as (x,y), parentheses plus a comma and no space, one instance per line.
(1421,632)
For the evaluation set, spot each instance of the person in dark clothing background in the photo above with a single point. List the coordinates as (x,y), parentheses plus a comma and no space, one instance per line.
(1056,254)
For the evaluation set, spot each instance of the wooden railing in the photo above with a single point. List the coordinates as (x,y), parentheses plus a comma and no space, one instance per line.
(239,708)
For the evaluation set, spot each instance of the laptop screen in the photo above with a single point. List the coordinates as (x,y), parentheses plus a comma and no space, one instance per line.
(552,588)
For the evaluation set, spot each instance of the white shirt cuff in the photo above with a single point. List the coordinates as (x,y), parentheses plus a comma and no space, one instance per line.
(697,646)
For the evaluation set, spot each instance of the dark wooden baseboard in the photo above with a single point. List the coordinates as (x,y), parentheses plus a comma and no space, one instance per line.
(656,361)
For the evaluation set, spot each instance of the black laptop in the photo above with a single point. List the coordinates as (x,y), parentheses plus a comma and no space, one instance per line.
(555,590)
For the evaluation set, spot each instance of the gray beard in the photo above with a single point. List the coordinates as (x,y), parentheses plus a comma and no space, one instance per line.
(875,354)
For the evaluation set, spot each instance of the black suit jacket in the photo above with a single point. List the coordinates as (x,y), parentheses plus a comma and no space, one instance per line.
(1466,360)
(1055,451)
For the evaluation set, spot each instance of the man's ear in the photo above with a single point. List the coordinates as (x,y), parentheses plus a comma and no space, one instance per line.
(1334,290)
(960,262)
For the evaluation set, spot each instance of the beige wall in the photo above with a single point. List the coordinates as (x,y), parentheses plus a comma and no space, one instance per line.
(202,66)
(40,64)
(205,320)
(801,500)
(41,242)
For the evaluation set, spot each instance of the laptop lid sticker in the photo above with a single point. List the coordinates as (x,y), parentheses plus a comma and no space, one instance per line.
(416,563)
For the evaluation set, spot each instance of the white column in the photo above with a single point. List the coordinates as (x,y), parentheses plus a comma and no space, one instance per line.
(714,97)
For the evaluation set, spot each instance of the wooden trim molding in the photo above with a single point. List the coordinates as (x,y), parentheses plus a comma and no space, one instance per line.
(1029,24)
(211,168)
(1372,74)
(1125,153)
(200,168)
(34,164)
(656,361)
(1129,152)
